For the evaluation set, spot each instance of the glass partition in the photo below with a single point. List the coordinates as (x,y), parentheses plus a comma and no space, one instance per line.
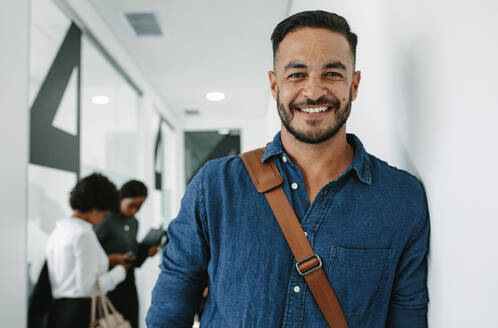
(54,111)
(109,125)
(83,119)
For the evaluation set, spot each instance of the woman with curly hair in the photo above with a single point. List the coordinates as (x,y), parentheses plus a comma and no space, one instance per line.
(75,258)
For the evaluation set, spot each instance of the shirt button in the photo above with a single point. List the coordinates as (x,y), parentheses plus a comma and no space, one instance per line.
(127,228)
(294,186)
(297,289)
(284,158)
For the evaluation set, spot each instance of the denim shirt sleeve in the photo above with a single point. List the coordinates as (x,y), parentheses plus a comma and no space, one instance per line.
(176,295)
(408,308)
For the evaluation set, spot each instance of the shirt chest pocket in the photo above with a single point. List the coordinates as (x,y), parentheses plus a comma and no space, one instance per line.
(359,276)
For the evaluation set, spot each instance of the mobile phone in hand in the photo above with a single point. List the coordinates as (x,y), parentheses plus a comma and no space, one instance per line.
(130,260)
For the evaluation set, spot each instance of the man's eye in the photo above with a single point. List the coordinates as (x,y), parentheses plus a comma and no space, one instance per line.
(296,75)
(333,74)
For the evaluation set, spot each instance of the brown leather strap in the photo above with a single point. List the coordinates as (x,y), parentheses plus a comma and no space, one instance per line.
(268,180)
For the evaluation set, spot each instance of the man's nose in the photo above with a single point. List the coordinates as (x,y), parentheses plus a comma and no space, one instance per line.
(314,88)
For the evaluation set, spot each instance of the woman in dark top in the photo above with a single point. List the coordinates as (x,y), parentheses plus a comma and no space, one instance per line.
(118,234)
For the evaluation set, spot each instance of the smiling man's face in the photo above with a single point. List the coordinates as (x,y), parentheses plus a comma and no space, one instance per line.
(314,83)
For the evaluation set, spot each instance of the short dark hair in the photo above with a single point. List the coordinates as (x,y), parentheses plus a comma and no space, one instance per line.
(94,191)
(133,188)
(317,19)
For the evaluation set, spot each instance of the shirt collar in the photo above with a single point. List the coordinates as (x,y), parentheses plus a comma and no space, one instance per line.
(273,148)
(360,163)
(82,223)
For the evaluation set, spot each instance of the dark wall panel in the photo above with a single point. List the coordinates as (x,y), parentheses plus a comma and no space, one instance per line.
(51,146)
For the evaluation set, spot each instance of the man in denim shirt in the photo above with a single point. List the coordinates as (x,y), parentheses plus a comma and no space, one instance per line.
(368,221)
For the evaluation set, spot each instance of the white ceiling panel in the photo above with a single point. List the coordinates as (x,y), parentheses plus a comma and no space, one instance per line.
(216,45)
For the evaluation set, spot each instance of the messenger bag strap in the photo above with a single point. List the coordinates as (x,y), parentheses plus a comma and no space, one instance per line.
(268,180)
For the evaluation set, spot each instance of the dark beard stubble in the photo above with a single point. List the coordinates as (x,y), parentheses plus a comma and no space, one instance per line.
(311,137)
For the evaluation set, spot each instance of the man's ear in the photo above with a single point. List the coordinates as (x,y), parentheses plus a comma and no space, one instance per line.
(355,84)
(273,83)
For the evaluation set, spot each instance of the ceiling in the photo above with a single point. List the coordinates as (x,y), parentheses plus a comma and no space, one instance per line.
(215,45)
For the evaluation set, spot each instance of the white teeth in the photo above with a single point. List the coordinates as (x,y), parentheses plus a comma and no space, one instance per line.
(314,110)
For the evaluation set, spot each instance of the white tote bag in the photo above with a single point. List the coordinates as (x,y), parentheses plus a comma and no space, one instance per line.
(108,317)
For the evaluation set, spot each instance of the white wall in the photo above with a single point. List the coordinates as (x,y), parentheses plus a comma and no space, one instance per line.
(444,60)
(14,16)
(427,103)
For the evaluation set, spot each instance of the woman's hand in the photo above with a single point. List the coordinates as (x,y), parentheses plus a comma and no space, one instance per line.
(152,250)
(123,259)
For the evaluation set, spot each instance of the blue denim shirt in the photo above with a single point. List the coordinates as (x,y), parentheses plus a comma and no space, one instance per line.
(370,226)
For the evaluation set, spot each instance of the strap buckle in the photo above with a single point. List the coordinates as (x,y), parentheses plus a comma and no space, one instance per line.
(314,255)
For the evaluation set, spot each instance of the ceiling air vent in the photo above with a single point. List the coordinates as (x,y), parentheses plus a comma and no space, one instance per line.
(192,112)
(144,24)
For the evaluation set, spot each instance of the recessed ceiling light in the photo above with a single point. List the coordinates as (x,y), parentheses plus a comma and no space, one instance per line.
(215,96)
(100,100)
(224,131)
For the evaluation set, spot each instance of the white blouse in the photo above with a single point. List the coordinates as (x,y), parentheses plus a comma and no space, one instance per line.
(75,259)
